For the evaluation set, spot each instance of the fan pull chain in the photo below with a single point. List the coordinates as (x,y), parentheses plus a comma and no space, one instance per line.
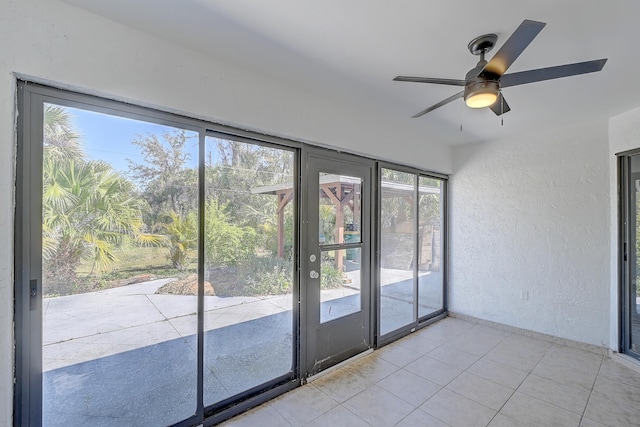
(501,110)
(461,111)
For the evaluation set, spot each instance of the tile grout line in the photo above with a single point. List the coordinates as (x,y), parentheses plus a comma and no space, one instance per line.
(552,404)
(584,411)
(463,371)
(351,412)
(520,385)
(442,387)
(319,415)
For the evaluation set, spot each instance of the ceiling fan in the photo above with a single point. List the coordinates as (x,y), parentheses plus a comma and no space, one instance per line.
(483,84)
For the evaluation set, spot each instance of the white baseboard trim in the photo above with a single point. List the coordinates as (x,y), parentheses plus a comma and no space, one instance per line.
(600,350)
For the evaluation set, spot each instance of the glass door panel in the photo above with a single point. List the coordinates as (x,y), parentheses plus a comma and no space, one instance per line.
(397,243)
(633,291)
(119,208)
(339,212)
(148,249)
(411,240)
(340,294)
(430,281)
(249,226)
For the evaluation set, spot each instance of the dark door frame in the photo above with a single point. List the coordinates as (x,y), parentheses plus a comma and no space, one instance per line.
(627,253)
(351,334)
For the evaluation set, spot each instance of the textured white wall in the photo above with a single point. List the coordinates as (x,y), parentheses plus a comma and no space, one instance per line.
(58,43)
(531,215)
(624,134)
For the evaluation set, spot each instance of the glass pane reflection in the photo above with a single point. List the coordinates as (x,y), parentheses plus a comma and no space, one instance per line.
(430,287)
(397,246)
(340,286)
(340,211)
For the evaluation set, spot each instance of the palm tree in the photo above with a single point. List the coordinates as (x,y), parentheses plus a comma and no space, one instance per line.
(89,210)
(61,140)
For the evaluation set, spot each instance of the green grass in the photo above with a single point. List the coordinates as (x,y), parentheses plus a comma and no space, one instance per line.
(136,259)
(132,262)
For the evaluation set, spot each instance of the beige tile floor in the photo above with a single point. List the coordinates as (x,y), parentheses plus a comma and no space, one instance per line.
(461,373)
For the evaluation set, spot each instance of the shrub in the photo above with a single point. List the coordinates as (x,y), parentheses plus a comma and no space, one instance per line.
(226,243)
(330,276)
(267,276)
(182,236)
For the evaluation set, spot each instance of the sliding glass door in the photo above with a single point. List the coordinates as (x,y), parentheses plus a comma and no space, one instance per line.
(398,239)
(119,212)
(249,230)
(155,266)
(411,281)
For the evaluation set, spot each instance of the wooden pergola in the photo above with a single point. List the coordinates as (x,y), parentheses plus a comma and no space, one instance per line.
(341,191)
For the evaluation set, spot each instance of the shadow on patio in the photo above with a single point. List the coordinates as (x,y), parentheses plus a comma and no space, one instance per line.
(127,356)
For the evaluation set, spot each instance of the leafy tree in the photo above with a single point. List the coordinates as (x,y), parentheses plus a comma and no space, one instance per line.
(241,167)
(237,221)
(167,184)
(430,203)
(233,169)
(399,207)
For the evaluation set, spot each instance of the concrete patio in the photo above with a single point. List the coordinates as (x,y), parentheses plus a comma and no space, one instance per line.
(127,356)
(79,328)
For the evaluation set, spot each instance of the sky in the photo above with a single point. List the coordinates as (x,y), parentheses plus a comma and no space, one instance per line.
(108,138)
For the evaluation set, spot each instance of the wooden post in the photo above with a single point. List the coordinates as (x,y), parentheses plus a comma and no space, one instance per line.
(280,227)
(356,203)
(284,197)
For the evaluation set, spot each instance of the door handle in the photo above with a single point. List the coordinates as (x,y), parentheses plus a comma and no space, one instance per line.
(33,293)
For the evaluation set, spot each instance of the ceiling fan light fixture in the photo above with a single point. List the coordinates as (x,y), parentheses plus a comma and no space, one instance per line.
(481,94)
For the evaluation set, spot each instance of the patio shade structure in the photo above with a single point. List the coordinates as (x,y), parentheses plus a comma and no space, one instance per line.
(341,191)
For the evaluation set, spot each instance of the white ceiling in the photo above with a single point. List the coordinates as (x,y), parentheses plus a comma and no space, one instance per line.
(350,50)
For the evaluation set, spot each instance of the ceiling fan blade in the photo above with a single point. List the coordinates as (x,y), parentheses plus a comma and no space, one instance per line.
(512,48)
(439,104)
(500,106)
(541,74)
(451,82)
